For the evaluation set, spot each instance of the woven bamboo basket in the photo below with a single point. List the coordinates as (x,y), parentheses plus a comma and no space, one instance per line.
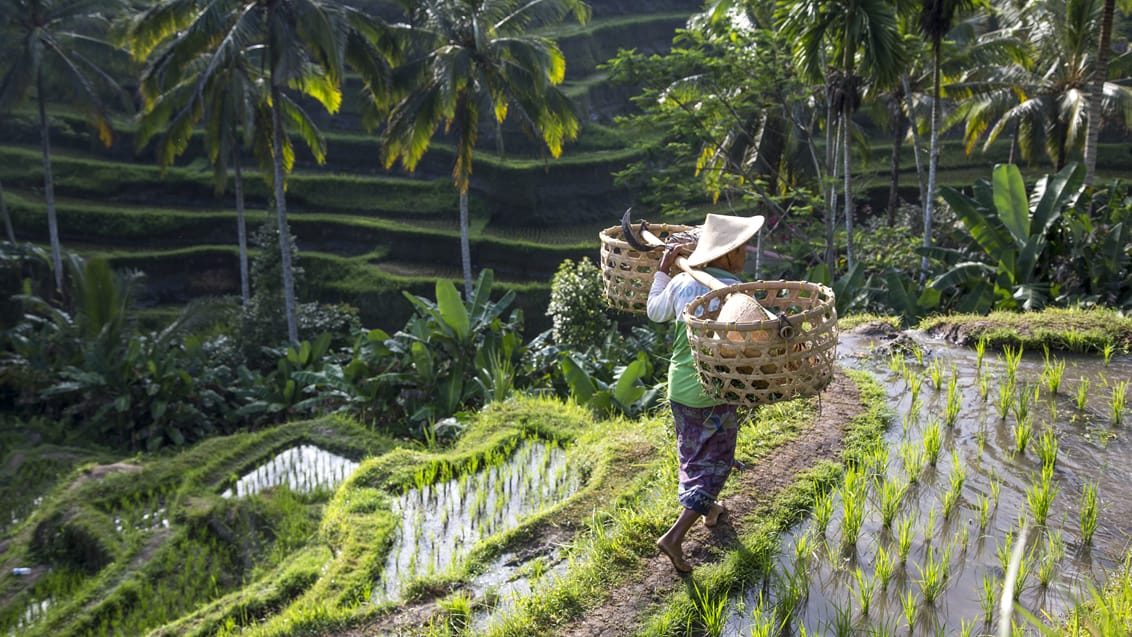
(751,364)
(627,272)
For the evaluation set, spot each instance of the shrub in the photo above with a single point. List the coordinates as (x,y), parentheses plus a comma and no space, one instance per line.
(577,306)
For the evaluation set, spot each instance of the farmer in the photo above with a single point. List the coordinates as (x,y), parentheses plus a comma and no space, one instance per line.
(705,428)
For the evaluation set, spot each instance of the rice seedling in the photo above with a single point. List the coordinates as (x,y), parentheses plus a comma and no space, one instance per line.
(1013,359)
(1052,373)
(864,591)
(984,387)
(1087,514)
(1107,352)
(1082,393)
(1048,448)
(966,628)
(711,610)
(956,479)
(896,363)
(1040,494)
(1005,399)
(908,604)
(935,373)
(933,441)
(918,354)
(1119,399)
(1023,431)
(1055,550)
(1023,401)
(853,495)
(458,609)
(823,511)
(933,574)
(842,623)
(891,497)
(987,600)
(795,588)
(882,567)
(914,460)
(995,488)
(904,538)
(915,382)
(802,551)
(954,400)
(980,352)
(984,511)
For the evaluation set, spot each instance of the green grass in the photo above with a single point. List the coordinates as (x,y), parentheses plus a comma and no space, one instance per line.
(1055,328)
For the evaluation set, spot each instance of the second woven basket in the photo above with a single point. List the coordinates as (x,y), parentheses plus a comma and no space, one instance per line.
(751,364)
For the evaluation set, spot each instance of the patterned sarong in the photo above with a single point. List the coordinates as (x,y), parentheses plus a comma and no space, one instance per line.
(705,443)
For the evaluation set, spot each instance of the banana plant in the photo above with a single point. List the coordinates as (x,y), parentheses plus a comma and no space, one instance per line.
(626,394)
(1012,230)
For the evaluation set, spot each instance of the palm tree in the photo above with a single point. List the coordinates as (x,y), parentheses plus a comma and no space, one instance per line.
(473,58)
(1043,97)
(61,41)
(228,95)
(936,20)
(858,38)
(300,45)
(1100,75)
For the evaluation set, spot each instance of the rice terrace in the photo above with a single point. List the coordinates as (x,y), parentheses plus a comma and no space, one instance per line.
(345,318)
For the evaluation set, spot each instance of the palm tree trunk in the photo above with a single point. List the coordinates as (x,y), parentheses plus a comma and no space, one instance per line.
(933,162)
(1100,74)
(831,192)
(281,213)
(241,229)
(49,184)
(916,145)
(848,188)
(899,126)
(7,219)
(465,245)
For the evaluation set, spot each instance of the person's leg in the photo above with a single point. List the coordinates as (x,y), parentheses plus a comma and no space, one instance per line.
(706,447)
(671,543)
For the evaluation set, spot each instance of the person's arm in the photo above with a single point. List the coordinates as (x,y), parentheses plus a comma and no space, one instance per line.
(661,305)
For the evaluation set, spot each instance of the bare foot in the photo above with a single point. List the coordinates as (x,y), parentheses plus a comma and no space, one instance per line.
(712,518)
(675,555)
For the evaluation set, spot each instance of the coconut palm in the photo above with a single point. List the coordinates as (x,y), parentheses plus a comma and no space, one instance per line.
(299,45)
(58,46)
(841,42)
(1100,75)
(476,58)
(936,19)
(229,97)
(1043,97)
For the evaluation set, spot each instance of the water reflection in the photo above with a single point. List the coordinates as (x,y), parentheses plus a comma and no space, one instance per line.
(959,518)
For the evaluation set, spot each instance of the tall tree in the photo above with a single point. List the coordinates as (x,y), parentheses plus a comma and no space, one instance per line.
(936,19)
(224,92)
(860,39)
(301,46)
(474,58)
(1042,96)
(1100,75)
(59,46)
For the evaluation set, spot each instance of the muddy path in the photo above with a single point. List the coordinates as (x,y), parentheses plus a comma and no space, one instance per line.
(628,604)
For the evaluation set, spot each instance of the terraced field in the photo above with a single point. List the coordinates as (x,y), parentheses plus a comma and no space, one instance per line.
(364,233)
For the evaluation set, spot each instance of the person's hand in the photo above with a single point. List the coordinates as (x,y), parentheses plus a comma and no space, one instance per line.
(669,257)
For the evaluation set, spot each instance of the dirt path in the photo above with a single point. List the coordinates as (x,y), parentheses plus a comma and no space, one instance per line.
(629,602)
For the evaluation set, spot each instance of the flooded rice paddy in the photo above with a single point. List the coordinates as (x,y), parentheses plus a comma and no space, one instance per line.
(303,469)
(990,453)
(442,521)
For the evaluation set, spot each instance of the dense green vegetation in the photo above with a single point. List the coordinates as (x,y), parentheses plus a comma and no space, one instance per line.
(240,268)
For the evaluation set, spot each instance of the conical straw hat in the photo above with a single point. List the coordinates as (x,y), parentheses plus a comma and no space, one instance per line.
(721,234)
